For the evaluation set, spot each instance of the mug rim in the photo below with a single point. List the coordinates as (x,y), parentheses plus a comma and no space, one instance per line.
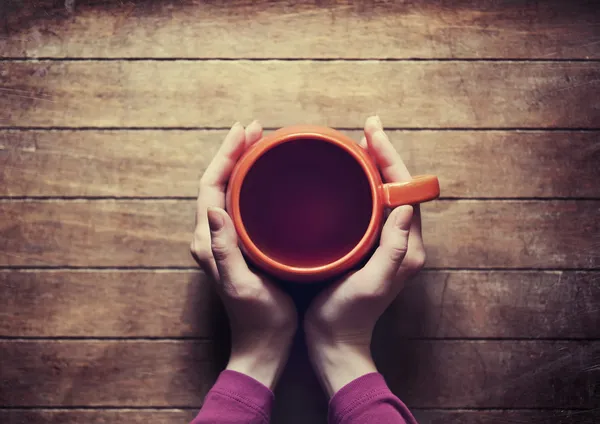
(278,138)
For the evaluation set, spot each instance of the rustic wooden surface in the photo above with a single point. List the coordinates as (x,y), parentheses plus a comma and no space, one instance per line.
(156,233)
(431,94)
(107,163)
(111,110)
(181,304)
(303,29)
(442,373)
(162,416)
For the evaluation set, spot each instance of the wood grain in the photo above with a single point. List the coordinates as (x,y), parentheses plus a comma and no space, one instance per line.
(497,305)
(108,304)
(440,374)
(156,233)
(300,29)
(507,417)
(335,93)
(131,373)
(168,163)
(98,416)
(484,345)
(181,304)
(492,374)
(512,234)
(464,416)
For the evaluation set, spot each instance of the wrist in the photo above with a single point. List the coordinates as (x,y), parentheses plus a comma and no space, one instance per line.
(262,357)
(337,363)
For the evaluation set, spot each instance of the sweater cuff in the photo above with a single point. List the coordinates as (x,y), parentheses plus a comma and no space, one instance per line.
(355,394)
(245,390)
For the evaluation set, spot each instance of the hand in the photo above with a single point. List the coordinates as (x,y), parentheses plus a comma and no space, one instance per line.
(262,317)
(340,321)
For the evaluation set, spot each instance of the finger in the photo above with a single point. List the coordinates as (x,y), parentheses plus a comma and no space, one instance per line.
(385,262)
(211,191)
(389,161)
(229,260)
(200,249)
(254,132)
(372,124)
(209,196)
(212,183)
(219,170)
(363,142)
(392,168)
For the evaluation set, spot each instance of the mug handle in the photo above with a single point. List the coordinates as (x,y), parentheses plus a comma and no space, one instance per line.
(421,188)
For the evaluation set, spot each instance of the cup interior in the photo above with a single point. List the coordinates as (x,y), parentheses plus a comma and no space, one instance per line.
(306,202)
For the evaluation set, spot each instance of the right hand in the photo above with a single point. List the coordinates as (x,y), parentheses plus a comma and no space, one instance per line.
(340,321)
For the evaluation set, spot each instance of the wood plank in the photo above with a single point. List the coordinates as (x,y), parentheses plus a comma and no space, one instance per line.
(497,305)
(458,374)
(100,416)
(507,417)
(335,93)
(181,304)
(108,304)
(156,233)
(94,373)
(507,234)
(440,374)
(156,163)
(299,29)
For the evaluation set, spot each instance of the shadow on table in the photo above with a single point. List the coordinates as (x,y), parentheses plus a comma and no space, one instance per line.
(433,366)
(17,15)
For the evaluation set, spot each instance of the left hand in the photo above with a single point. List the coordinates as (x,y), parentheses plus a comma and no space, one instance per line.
(262,317)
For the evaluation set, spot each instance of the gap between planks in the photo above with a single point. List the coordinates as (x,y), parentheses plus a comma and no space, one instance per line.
(51,199)
(290,59)
(188,408)
(7,268)
(70,339)
(84,199)
(387,128)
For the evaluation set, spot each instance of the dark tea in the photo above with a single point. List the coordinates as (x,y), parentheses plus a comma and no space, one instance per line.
(306,203)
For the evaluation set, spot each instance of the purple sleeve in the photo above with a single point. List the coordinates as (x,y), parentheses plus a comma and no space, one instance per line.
(368,400)
(236,398)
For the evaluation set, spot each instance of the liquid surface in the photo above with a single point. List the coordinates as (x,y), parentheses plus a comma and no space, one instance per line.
(306,203)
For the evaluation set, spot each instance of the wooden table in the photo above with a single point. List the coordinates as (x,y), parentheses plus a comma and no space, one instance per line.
(111,110)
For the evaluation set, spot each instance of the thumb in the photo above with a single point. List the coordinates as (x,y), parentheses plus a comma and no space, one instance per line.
(388,257)
(223,242)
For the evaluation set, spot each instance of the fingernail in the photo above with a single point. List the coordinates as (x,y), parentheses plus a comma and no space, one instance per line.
(380,133)
(215,219)
(378,121)
(253,127)
(236,124)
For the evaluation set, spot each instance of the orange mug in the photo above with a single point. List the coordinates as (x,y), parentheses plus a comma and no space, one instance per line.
(308,203)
